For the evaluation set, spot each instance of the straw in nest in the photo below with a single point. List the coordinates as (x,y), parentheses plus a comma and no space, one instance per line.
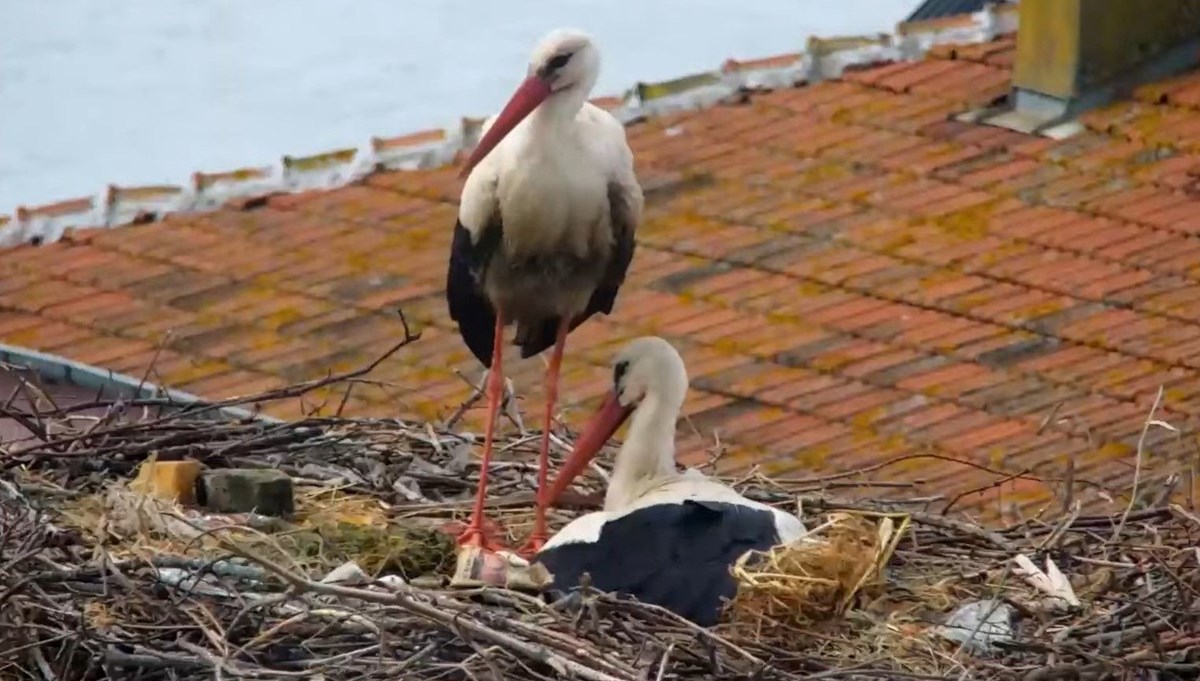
(815,577)
(331,528)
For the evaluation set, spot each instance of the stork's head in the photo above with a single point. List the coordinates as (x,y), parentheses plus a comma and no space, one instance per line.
(647,369)
(565,59)
(564,65)
(649,366)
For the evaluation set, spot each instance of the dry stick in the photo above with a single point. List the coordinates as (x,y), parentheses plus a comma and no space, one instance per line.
(1191,487)
(932,519)
(1069,485)
(986,618)
(8,410)
(662,666)
(12,397)
(480,652)
(966,493)
(1163,495)
(1055,537)
(701,631)
(308,386)
(1049,417)
(345,398)
(931,455)
(153,360)
(478,391)
(1137,465)
(1182,512)
(34,425)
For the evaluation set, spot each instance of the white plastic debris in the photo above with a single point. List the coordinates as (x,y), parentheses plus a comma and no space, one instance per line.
(346,573)
(978,625)
(393,582)
(460,456)
(332,474)
(350,574)
(186,580)
(409,489)
(513,559)
(1051,582)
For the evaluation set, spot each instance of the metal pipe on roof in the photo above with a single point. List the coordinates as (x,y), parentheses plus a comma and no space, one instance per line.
(56,368)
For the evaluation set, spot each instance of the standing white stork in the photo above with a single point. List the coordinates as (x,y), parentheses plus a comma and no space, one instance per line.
(545,230)
(664,537)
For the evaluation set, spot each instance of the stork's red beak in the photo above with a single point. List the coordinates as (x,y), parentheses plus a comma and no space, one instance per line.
(607,419)
(528,96)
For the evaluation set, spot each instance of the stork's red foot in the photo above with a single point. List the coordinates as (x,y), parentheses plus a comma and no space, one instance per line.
(474,536)
(481,560)
(481,533)
(531,547)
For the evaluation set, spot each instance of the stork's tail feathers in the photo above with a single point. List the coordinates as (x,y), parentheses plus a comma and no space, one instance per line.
(535,338)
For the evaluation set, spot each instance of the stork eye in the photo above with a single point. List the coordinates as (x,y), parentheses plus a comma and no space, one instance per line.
(558,62)
(619,372)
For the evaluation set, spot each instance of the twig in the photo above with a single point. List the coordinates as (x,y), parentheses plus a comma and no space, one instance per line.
(1137,465)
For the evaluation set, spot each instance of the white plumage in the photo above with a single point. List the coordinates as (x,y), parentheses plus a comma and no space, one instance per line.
(546,226)
(653,386)
(663,537)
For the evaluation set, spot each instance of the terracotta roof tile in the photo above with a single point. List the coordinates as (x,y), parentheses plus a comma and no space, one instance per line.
(850,274)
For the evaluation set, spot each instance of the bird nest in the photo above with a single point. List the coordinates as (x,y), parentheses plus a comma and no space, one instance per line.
(100,580)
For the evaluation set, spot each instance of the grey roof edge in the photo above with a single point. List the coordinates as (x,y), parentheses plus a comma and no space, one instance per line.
(57,368)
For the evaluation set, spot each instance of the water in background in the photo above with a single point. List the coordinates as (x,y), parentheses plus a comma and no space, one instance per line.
(147,91)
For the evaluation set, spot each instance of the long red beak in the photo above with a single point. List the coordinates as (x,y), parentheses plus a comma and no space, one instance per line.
(528,96)
(607,419)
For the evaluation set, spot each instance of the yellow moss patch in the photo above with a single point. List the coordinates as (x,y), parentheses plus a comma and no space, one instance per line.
(811,457)
(1110,451)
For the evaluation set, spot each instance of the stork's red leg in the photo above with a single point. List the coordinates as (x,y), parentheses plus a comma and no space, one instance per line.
(538,538)
(474,533)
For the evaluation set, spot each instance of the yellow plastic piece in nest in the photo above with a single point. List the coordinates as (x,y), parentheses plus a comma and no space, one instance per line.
(173,481)
(814,578)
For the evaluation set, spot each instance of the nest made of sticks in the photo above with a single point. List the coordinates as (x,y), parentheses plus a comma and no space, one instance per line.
(868,594)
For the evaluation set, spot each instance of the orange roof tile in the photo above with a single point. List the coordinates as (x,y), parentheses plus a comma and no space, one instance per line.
(851,275)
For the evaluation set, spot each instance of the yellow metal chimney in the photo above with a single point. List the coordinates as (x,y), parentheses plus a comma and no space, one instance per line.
(1075,55)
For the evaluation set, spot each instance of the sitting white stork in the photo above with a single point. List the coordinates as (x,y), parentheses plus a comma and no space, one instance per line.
(664,537)
(545,230)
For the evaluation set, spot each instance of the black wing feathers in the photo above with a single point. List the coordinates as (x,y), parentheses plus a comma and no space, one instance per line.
(673,555)
(468,306)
